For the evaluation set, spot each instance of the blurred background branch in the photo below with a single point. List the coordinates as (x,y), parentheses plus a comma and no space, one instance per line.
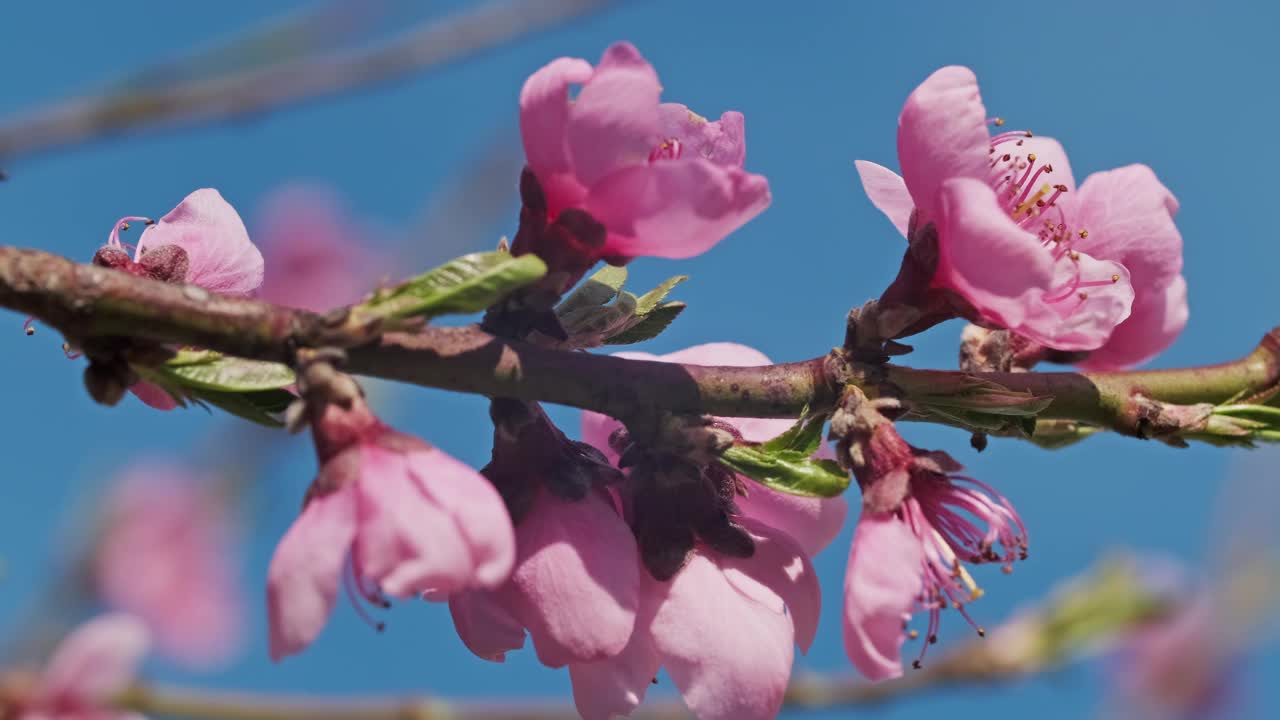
(1096,612)
(172,96)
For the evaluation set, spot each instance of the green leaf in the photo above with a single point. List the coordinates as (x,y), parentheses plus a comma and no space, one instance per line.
(983,396)
(650,301)
(250,389)
(649,326)
(209,370)
(804,437)
(603,286)
(651,315)
(1264,414)
(260,407)
(788,471)
(464,285)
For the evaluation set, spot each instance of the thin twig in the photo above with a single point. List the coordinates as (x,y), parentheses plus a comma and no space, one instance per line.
(136,109)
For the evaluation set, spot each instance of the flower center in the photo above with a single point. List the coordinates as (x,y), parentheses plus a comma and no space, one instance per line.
(1021,182)
(668,149)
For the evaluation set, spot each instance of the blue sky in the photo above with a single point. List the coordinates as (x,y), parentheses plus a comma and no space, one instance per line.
(1184,87)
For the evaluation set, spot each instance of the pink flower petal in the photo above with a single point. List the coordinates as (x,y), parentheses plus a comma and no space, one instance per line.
(887,192)
(984,256)
(544,114)
(575,582)
(676,208)
(153,395)
(722,141)
(729,655)
(725,354)
(96,661)
(406,541)
(484,625)
(942,134)
(476,508)
(1089,315)
(617,685)
(1129,214)
(302,581)
(881,584)
(812,522)
(613,123)
(221,256)
(779,575)
(166,555)
(1157,319)
(314,257)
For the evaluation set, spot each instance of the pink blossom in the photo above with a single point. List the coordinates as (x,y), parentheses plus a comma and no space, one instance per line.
(387,513)
(166,555)
(93,664)
(997,221)
(813,522)
(574,586)
(920,521)
(662,180)
(203,242)
(723,628)
(316,259)
(1179,666)
(219,254)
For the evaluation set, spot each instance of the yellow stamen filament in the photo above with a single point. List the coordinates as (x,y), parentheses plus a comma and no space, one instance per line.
(957,569)
(1031,201)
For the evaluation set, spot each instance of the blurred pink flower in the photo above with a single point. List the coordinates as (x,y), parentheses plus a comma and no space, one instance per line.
(1179,666)
(661,180)
(998,222)
(93,664)
(203,242)
(166,555)
(315,257)
(387,513)
(920,521)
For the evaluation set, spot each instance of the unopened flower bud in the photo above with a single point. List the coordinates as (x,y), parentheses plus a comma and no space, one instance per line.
(105,382)
(166,263)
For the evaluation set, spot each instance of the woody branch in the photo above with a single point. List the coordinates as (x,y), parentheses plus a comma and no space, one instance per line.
(86,302)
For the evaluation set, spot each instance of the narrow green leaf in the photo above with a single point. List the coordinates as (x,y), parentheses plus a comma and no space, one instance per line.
(985,396)
(787,471)
(650,301)
(1261,413)
(464,285)
(603,286)
(211,371)
(650,325)
(804,437)
(260,407)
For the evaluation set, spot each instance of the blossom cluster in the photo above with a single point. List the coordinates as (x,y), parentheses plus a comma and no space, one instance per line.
(617,555)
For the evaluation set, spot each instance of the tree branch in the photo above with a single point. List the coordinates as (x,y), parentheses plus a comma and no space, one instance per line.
(258,89)
(86,302)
